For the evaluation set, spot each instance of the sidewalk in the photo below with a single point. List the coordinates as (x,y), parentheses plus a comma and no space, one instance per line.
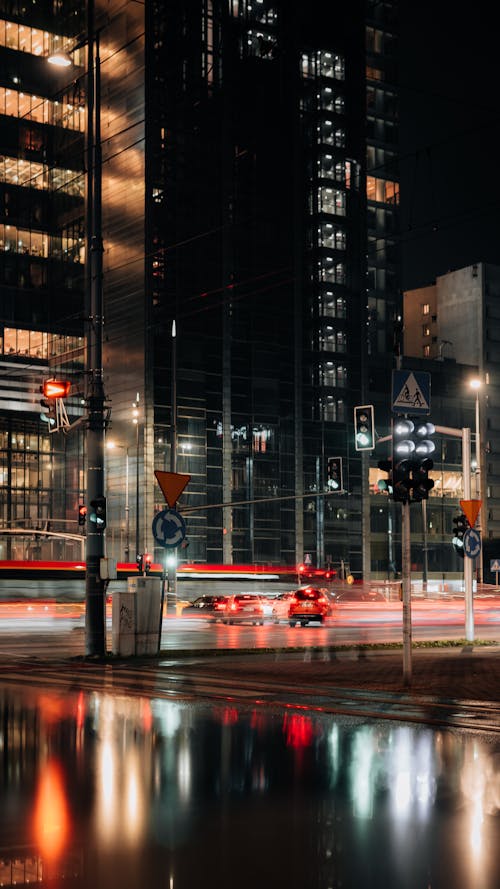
(456,672)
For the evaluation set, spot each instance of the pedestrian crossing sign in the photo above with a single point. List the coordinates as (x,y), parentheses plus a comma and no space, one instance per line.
(411,392)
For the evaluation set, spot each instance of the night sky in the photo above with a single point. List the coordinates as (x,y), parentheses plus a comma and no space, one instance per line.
(450,139)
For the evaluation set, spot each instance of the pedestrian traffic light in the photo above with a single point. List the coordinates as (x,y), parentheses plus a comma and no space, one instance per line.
(461,524)
(364,428)
(385,485)
(334,474)
(82,514)
(98,512)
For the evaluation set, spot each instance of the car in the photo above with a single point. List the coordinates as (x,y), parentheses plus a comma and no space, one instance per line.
(242,607)
(309,604)
(359,596)
(210,607)
(280,607)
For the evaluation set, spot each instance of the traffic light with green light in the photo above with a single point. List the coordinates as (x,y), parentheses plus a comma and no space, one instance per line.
(364,428)
(461,525)
(97,514)
(385,485)
(334,480)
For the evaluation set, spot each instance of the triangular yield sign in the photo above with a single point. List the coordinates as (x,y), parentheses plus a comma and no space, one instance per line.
(172,485)
(471,508)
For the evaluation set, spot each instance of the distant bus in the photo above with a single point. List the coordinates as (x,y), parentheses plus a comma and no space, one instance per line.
(65,581)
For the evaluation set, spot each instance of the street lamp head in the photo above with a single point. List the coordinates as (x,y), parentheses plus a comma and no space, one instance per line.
(475,383)
(60,59)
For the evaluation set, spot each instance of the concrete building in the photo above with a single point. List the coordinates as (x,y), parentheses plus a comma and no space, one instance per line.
(456,320)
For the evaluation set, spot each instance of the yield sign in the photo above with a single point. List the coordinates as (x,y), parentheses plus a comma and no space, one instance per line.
(471,508)
(172,484)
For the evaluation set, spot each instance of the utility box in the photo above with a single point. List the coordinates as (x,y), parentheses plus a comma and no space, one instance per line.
(135,617)
(107,569)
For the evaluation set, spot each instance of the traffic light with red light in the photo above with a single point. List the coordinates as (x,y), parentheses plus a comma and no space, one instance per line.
(56,388)
(82,514)
(148,561)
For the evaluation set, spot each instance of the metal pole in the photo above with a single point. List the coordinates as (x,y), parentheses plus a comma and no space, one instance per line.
(425,572)
(173,441)
(137,523)
(172,568)
(95,619)
(406,576)
(127,509)
(468,592)
(478,485)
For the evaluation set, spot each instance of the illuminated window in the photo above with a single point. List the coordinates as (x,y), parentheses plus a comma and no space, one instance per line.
(36,42)
(426,309)
(384,191)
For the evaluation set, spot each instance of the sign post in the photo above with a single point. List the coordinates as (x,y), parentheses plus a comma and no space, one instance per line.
(495,567)
(169,528)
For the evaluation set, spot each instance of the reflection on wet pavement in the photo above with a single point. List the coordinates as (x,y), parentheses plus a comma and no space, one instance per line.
(106,790)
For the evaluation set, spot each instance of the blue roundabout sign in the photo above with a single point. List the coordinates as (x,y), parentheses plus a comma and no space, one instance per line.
(472,543)
(169,528)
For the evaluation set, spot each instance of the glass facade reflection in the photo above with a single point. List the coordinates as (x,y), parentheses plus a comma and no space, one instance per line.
(261,220)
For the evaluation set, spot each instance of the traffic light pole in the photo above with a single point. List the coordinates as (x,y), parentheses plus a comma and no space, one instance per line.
(468,564)
(464,434)
(406,578)
(95,617)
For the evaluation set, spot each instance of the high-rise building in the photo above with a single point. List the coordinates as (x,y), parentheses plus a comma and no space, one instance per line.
(250,199)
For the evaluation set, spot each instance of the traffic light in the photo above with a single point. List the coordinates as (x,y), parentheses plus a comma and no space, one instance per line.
(385,484)
(412,445)
(52,390)
(461,526)
(56,388)
(364,428)
(47,409)
(98,512)
(334,480)
(140,561)
(403,447)
(423,463)
(82,514)
(147,562)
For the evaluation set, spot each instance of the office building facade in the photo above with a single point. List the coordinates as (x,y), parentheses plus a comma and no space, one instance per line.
(250,204)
